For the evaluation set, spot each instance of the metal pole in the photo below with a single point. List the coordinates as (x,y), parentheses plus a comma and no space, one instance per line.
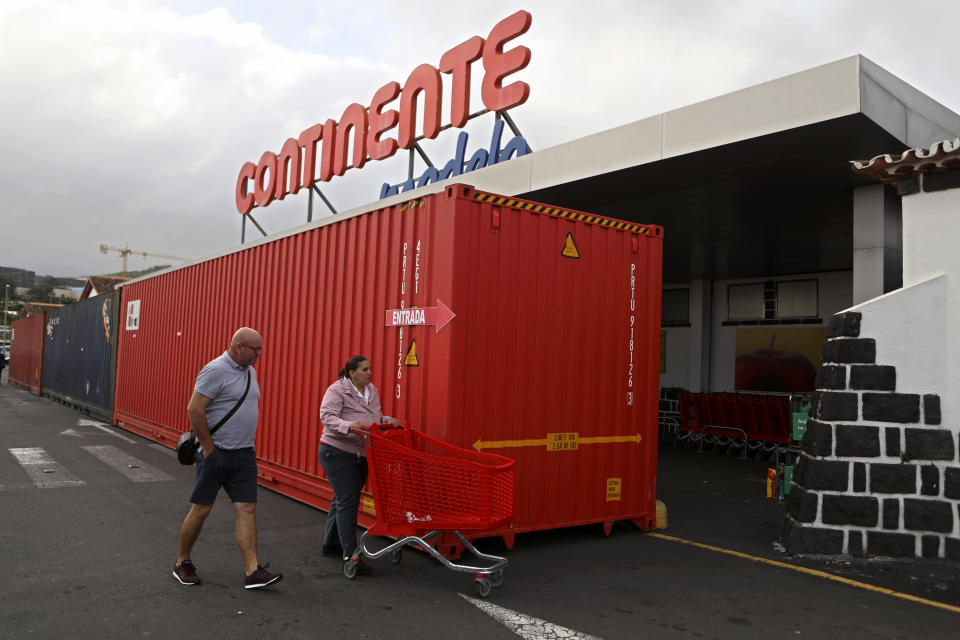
(310,206)
(513,127)
(6,304)
(416,145)
(324,198)
(255,223)
(243,230)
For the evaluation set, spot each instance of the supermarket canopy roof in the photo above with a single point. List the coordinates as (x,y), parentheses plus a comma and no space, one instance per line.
(753,182)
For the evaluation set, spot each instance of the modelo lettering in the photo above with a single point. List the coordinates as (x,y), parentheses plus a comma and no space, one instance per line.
(296,165)
(455,166)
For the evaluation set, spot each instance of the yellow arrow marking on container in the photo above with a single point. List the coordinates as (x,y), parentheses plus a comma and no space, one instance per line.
(555,442)
(480,445)
(636,438)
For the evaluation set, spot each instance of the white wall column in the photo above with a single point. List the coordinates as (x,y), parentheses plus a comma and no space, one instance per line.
(877,242)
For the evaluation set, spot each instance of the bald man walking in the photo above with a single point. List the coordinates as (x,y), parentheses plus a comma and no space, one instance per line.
(227,458)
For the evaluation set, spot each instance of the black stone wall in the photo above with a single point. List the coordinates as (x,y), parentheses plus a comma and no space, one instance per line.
(879,475)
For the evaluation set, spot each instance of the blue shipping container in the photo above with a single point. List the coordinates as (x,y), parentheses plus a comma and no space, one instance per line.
(80,354)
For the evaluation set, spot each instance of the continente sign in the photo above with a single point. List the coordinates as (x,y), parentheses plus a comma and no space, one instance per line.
(371,129)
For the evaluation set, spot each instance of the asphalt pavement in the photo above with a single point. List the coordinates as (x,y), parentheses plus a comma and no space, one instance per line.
(90,533)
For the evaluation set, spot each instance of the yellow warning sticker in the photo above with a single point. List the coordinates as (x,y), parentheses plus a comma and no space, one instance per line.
(570,248)
(613,489)
(411,359)
(367,506)
(562,442)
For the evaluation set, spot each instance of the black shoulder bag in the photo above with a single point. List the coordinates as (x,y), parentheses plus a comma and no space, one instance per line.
(188,443)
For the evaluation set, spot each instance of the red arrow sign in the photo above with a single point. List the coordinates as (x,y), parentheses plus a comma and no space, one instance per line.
(415,316)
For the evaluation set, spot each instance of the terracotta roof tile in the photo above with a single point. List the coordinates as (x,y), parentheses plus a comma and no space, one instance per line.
(891,168)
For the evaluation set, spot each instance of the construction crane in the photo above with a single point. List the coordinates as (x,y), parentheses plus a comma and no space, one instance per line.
(126,251)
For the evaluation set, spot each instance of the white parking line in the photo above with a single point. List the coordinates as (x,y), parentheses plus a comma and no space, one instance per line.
(45,472)
(133,468)
(83,422)
(525,626)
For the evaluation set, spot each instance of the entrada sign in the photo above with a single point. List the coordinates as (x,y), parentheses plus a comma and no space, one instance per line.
(276,175)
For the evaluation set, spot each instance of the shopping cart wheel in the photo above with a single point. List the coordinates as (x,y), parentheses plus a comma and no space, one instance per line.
(395,556)
(350,569)
(496,578)
(483,587)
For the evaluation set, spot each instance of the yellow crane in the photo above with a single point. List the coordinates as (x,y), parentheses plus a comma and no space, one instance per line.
(126,251)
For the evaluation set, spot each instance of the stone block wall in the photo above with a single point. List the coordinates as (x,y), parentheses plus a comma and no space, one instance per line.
(879,475)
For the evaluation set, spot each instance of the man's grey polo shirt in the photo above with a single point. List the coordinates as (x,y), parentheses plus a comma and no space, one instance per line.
(223,381)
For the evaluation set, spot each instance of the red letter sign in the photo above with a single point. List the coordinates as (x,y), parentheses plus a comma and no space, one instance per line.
(499,64)
(308,140)
(382,121)
(245,198)
(425,79)
(457,62)
(354,117)
(288,167)
(263,193)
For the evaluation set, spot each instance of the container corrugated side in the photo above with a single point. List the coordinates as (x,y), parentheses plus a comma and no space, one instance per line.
(80,352)
(539,346)
(26,353)
(552,358)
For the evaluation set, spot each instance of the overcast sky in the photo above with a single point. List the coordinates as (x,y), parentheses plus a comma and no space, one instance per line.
(127,122)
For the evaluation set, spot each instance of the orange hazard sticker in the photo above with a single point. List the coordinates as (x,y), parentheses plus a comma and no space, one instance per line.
(570,248)
(411,359)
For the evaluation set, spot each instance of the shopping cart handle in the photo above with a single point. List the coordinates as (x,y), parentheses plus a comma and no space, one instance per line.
(373,426)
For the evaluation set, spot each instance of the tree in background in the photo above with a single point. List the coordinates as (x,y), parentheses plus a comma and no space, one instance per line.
(13,306)
(43,292)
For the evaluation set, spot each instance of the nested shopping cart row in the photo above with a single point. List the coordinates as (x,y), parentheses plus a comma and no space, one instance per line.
(754,420)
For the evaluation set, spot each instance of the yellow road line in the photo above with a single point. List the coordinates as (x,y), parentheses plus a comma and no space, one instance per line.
(813,572)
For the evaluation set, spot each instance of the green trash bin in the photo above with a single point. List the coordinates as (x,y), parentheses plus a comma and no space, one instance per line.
(787,481)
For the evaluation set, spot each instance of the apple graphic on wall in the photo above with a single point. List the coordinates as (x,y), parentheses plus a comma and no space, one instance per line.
(774,370)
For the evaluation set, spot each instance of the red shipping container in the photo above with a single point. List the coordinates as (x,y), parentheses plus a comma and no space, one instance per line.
(26,352)
(549,353)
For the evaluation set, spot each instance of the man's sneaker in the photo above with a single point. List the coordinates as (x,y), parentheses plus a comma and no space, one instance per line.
(261,578)
(186,573)
(332,550)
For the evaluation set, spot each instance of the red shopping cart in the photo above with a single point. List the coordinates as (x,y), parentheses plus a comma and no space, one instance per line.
(423,486)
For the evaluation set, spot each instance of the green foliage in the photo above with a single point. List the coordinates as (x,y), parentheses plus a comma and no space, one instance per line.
(142,272)
(40,292)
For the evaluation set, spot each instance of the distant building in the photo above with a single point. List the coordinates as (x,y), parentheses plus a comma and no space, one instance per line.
(21,277)
(73,292)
